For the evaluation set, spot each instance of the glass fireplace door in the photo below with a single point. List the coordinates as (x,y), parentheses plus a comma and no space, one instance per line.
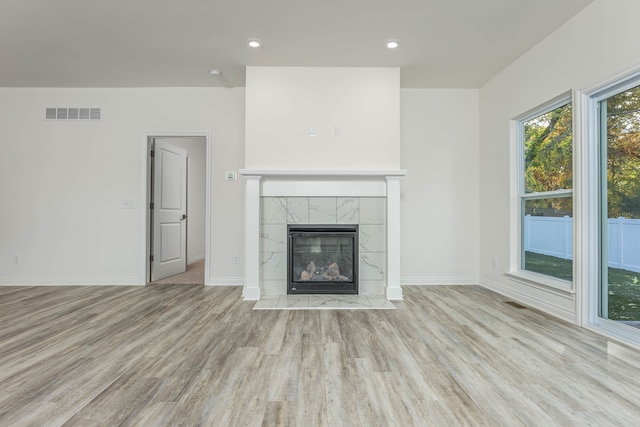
(323,259)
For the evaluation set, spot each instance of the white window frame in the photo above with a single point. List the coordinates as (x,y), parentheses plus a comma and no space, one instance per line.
(518,196)
(590,270)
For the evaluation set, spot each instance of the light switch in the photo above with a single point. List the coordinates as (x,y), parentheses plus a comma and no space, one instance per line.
(231,176)
(127,204)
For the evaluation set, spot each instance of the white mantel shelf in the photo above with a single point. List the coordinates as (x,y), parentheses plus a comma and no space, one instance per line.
(322,173)
(362,183)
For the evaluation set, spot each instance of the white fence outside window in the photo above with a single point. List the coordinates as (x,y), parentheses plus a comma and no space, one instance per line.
(554,236)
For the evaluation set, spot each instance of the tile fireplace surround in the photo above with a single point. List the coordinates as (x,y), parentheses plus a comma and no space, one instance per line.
(275,198)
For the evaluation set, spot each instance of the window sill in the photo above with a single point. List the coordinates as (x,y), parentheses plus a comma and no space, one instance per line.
(616,331)
(540,281)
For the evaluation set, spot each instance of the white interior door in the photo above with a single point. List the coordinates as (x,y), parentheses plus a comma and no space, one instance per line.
(169,211)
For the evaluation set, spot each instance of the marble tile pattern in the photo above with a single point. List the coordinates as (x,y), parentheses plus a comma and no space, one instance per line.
(371,238)
(323,302)
(368,212)
(273,238)
(347,210)
(273,266)
(372,265)
(372,210)
(297,210)
(274,210)
(322,210)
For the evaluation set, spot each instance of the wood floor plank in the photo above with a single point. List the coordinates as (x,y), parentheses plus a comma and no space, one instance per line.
(311,407)
(200,356)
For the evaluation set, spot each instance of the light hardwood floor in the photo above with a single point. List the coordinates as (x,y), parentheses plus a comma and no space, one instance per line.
(190,355)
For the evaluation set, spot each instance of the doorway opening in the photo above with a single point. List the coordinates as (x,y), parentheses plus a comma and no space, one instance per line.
(177,231)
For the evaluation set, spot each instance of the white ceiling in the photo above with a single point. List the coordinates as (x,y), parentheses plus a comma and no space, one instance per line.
(157,43)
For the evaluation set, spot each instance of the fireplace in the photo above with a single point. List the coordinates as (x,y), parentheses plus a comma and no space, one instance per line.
(322,259)
(276,198)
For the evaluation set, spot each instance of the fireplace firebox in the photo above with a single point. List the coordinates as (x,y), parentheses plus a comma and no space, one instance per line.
(322,259)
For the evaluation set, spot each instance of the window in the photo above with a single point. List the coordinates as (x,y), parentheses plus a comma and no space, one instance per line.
(545,183)
(618,111)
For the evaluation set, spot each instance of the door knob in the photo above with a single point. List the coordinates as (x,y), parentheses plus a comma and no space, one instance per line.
(183,217)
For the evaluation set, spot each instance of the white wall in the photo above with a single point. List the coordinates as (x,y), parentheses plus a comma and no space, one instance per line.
(598,43)
(196,193)
(283,103)
(62,183)
(439,130)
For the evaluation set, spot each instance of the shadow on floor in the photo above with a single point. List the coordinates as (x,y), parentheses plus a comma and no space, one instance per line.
(193,276)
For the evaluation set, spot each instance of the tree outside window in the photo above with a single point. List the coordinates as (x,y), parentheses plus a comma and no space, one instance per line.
(546,192)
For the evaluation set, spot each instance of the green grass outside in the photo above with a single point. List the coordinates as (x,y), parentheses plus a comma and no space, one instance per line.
(624,285)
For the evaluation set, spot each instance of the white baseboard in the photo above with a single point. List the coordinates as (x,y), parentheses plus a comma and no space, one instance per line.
(72,281)
(394,294)
(546,305)
(251,294)
(438,280)
(224,281)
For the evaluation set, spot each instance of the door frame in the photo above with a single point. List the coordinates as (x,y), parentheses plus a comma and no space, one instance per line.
(145,196)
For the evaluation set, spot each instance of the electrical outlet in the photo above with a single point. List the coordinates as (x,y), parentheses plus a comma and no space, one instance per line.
(235,259)
(16,260)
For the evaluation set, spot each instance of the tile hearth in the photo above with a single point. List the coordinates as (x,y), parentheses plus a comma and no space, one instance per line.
(324,302)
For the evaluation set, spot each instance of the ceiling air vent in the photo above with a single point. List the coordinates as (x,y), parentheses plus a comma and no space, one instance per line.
(73,113)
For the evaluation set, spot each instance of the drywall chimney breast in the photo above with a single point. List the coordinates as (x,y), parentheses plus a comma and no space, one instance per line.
(322,118)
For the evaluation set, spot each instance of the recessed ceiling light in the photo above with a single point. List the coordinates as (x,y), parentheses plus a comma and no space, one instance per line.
(215,72)
(254,42)
(392,44)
